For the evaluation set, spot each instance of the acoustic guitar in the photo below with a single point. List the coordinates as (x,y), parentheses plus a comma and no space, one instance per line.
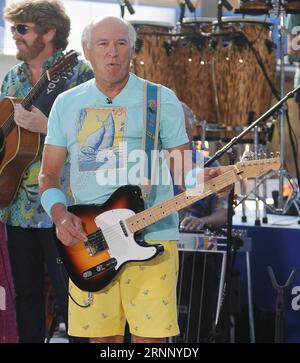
(19,147)
(113,228)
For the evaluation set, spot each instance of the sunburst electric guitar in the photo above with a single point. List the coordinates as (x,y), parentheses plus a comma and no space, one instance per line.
(113,227)
(19,147)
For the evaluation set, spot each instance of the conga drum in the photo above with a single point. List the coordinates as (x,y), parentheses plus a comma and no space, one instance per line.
(153,60)
(254,7)
(241,88)
(192,64)
(292,6)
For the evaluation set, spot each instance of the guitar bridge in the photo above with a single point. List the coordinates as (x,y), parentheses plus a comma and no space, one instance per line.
(102,267)
(95,243)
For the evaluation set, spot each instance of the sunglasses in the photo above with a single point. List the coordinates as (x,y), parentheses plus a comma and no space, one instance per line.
(19,28)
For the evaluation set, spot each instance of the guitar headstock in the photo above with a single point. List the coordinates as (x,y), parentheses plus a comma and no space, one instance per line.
(257,168)
(63,66)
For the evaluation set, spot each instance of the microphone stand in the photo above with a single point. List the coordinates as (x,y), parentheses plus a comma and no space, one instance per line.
(229,265)
(221,4)
(220,13)
(182,12)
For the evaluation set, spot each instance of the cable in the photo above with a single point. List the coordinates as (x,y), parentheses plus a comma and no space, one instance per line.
(62,274)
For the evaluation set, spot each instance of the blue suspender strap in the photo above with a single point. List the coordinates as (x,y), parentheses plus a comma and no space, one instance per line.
(150,137)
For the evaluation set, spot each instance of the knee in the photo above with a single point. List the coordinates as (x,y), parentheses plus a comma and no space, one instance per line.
(136,339)
(112,339)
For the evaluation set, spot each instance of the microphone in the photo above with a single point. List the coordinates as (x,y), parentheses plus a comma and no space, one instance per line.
(108,100)
(129,7)
(190,6)
(123,4)
(182,11)
(227,5)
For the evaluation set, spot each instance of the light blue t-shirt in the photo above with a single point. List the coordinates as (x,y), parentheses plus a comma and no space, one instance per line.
(104,142)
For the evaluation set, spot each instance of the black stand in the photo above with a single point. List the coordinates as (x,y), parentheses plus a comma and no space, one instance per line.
(182,12)
(279,320)
(229,256)
(221,330)
(229,249)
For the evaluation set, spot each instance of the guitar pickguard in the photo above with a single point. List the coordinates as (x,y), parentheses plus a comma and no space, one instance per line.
(121,243)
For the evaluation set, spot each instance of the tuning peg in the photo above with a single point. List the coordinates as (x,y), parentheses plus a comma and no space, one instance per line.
(271,154)
(277,154)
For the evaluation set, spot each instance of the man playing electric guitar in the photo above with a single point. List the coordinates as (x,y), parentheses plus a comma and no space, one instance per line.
(100,125)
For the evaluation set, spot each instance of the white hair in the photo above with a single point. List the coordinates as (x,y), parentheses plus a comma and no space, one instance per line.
(86,34)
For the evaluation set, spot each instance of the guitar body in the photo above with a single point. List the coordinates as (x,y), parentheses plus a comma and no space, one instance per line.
(93,265)
(17,151)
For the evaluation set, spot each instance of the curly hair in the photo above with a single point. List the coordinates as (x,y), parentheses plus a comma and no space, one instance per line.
(45,14)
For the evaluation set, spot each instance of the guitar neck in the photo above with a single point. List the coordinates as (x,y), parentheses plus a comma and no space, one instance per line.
(35,91)
(159,211)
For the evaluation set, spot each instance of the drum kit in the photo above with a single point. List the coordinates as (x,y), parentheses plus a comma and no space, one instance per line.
(223,69)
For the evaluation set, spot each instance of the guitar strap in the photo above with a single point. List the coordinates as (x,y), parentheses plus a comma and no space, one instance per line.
(150,137)
(52,89)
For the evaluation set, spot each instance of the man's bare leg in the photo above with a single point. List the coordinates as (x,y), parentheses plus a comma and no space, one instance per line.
(112,339)
(136,339)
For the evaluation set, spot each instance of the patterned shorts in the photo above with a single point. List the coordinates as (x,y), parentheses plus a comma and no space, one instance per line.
(144,294)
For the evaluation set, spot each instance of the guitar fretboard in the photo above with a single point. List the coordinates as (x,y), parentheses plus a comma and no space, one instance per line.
(183,200)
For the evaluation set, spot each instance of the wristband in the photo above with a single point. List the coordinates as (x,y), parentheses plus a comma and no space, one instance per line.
(52,196)
(191,178)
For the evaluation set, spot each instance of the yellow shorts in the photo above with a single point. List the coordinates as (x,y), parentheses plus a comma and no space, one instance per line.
(143,293)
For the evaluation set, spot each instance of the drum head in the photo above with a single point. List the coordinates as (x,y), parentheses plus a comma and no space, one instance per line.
(139,23)
(238,20)
(197,20)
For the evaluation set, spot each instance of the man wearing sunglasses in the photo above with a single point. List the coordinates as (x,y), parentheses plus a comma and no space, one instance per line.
(40,29)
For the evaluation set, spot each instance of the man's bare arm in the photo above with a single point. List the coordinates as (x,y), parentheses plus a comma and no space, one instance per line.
(68,226)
